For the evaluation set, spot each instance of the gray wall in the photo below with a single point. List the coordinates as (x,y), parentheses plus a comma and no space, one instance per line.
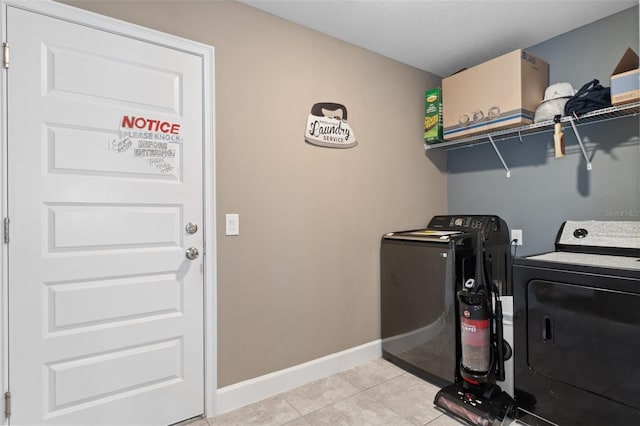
(542,191)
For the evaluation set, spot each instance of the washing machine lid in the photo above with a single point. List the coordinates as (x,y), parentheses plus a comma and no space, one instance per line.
(425,235)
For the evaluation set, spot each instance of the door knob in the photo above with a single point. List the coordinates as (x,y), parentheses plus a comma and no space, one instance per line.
(191,228)
(192,253)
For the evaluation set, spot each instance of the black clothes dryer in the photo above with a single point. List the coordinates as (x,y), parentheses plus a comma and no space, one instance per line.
(577,327)
(420,272)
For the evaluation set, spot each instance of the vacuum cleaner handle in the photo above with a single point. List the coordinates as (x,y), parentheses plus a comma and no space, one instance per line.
(497,315)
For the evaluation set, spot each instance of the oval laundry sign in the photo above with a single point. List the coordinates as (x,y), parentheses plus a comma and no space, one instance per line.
(327,126)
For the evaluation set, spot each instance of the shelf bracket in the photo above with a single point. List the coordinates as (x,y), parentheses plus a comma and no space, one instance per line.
(495,148)
(584,152)
(520,136)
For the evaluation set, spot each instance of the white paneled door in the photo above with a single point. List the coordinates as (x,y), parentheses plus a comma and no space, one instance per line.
(104,148)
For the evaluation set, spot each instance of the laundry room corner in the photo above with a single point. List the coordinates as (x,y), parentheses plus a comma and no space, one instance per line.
(544,191)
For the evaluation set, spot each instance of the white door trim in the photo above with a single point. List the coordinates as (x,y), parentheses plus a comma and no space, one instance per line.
(79,16)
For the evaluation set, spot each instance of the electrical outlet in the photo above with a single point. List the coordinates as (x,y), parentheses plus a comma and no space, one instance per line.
(516,234)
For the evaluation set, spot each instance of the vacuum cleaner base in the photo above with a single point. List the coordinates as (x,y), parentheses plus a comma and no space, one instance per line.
(474,409)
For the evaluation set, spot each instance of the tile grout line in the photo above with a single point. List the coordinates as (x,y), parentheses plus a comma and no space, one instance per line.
(339,375)
(387,407)
(328,405)
(294,409)
(360,391)
(406,374)
(357,390)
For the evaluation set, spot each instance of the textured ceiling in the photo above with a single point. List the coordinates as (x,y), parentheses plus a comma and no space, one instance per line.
(442,36)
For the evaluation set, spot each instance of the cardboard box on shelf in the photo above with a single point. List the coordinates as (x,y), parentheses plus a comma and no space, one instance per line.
(433,115)
(625,80)
(501,93)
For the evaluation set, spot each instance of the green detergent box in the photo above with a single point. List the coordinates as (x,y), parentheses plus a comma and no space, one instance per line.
(433,115)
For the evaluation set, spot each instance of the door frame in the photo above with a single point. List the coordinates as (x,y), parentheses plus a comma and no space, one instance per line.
(96,21)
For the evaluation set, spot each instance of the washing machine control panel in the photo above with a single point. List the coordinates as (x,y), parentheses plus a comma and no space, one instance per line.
(478,223)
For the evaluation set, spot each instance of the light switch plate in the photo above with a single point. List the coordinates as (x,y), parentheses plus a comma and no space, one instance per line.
(232,224)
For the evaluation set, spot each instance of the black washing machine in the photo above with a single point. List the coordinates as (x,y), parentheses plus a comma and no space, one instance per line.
(420,272)
(577,327)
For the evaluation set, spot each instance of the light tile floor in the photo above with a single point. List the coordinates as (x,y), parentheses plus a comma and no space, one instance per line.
(375,393)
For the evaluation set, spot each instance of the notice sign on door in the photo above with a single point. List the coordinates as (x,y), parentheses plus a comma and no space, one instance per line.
(156,143)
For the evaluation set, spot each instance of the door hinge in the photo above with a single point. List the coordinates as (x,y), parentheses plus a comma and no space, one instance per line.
(5,55)
(7,404)
(6,230)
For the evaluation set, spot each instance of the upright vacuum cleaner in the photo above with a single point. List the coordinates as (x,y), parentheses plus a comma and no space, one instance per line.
(480,352)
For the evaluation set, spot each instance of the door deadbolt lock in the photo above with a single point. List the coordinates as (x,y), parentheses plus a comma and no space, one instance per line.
(192,253)
(191,228)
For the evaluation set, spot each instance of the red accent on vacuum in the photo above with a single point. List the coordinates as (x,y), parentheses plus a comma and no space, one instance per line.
(476,345)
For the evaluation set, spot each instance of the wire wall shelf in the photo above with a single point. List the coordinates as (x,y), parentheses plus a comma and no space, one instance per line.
(604,114)
(601,115)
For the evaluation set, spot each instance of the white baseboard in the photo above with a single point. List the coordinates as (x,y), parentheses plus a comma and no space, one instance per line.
(240,394)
